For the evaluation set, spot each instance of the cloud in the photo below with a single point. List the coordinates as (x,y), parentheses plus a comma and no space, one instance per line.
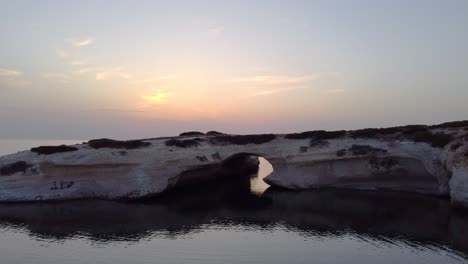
(79,62)
(215,31)
(157,98)
(11,78)
(86,70)
(82,43)
(335,91)
(275,79)
(63,54)
(275,91)
(10,73)
(13,83)
(106,74)
(60,77)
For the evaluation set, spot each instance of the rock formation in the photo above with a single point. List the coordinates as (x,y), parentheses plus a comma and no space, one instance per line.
(416,158)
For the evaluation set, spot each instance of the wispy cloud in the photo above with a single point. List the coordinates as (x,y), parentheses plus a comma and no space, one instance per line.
(13,83)
(214,31)
(86,70)
(79,62)
(275,79)
(107,74)
(11,78)
(59,77)
(156,80)
(335,91)
(275,91)
(10,73)
(63,54)
(157,97)
(82,42)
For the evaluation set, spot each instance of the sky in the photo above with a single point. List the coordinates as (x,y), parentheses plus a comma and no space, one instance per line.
(135,69)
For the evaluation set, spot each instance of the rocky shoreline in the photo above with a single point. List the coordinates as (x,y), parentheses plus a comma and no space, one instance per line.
(415,158)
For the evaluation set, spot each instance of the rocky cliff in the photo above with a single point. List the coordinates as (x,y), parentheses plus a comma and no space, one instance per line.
(416,158)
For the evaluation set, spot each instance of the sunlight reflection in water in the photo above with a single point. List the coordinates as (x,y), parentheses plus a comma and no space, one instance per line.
(264,169)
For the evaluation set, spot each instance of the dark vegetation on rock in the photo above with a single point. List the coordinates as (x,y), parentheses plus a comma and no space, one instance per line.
(385,163)
(214,133)
(374,132)
(317,135)
(242,139)
(192,134)
(318,143)
(455,146)
(117,144)
(437,140)
(453,124)
(416,133)
(47,150)
(187,143)
(216,156)
(202,158)
(365,149)
(12,168)
(341,152)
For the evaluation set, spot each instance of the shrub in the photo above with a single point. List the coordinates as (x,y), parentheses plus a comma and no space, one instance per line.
(453,124)
(365,149)
(317,135)
(183,143)
(243,139)
(411,129)
(15,167)
(117,144)
(318,143)
(191,134)
(374,132)
(214,133)
(341,152)
(455,146)
(437,140)
(47,150)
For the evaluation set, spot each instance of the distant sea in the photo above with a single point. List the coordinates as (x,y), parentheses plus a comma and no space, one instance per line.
(10,146)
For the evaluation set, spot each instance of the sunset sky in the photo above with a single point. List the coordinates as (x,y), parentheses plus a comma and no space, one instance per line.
(130,69)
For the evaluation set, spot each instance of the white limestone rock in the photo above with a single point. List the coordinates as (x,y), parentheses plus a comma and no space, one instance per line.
(398,159)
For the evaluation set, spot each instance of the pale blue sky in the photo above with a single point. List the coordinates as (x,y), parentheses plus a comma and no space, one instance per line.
(128,69)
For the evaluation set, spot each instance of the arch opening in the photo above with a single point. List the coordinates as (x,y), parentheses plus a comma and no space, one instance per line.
(265,168)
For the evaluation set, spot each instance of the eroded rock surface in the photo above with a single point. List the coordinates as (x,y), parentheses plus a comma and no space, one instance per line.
(418,158)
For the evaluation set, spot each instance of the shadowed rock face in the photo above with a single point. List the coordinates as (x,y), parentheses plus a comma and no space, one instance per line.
(423,159)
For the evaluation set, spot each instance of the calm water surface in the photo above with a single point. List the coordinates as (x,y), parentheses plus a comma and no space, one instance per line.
(214,225)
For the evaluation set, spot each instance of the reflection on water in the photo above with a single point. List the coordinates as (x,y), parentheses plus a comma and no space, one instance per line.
(226,222)
(330,226)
